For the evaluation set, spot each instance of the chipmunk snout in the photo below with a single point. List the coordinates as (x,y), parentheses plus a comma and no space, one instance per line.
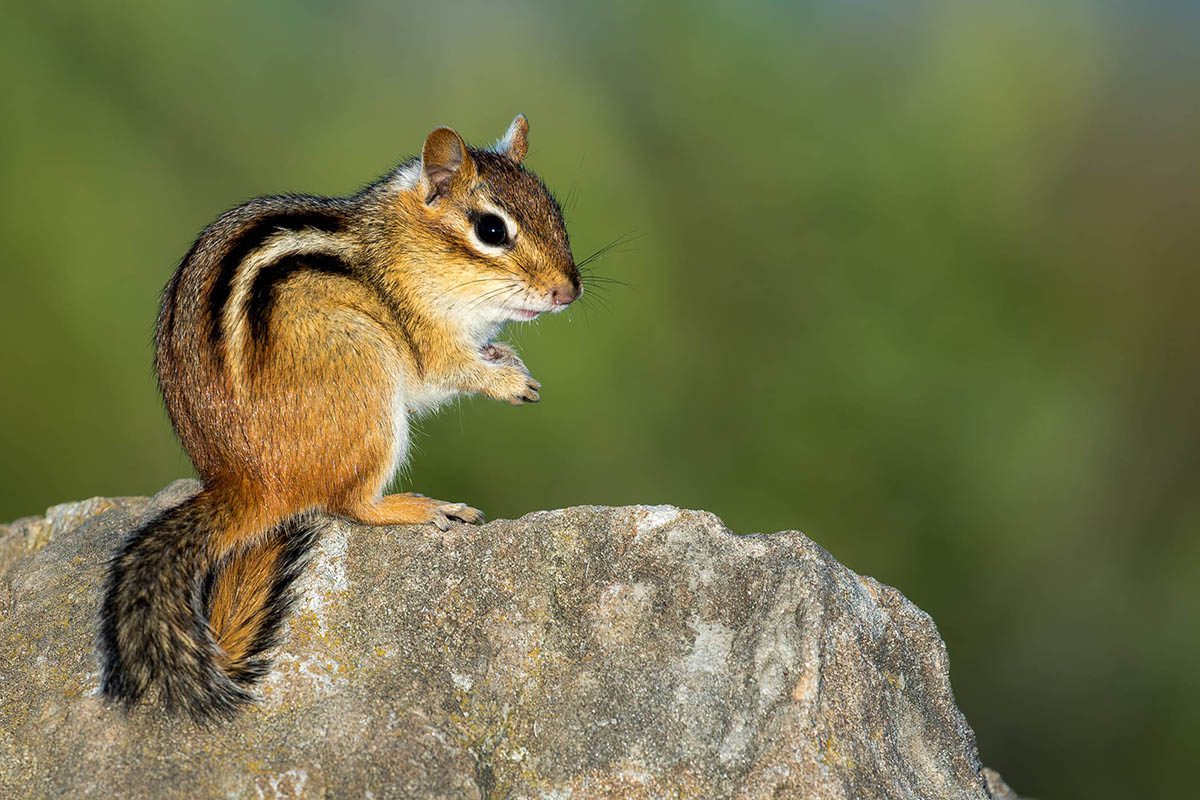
(565,293)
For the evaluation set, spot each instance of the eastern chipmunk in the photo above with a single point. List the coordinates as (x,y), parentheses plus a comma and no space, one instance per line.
(294,341)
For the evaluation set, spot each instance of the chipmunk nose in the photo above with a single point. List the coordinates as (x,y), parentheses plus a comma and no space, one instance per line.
(564,294)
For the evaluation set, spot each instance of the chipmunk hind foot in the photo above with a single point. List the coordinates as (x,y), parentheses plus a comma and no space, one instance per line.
(414,509)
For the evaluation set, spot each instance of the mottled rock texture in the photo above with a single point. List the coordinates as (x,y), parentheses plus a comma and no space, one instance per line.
(591,652)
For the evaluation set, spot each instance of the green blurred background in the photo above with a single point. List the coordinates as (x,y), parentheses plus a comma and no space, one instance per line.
(918,279)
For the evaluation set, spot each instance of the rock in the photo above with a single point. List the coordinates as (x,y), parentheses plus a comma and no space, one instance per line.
(583,653)
(997,788)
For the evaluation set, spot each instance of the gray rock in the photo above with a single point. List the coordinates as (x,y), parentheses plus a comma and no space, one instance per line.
(589,652)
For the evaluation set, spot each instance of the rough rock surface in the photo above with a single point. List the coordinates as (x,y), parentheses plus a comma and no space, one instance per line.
(591,652)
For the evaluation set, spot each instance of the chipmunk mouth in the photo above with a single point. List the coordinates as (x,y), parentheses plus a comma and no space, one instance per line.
(524,314)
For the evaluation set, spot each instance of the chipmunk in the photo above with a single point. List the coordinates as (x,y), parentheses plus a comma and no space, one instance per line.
(294,342)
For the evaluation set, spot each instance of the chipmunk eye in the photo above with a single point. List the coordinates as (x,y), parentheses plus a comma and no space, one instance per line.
(491,229)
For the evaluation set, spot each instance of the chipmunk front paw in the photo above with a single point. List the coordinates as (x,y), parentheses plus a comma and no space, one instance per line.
(521,387)
(513,383)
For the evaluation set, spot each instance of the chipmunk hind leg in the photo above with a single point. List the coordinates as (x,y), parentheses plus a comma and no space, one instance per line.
(336,444)
(363,501)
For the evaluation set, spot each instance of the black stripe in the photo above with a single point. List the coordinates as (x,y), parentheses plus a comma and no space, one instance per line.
(262,293)
(270,276)
(251,239)
(399,316)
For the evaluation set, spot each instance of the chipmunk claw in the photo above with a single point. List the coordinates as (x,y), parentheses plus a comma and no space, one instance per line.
(446,515)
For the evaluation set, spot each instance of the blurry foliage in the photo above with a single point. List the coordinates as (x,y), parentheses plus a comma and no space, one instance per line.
(917,278)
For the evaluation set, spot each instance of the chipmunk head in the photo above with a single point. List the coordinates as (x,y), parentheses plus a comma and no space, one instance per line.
(502,246)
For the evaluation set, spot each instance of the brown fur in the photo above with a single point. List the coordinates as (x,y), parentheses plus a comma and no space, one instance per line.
(294,341)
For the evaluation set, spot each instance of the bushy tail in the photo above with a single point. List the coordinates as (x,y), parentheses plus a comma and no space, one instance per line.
(177,618)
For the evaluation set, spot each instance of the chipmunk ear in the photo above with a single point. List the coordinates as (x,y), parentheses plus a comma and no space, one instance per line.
(445,163)
(516,140)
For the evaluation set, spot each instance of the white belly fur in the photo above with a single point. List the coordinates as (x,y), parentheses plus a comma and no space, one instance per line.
(405,405)
(399,432)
